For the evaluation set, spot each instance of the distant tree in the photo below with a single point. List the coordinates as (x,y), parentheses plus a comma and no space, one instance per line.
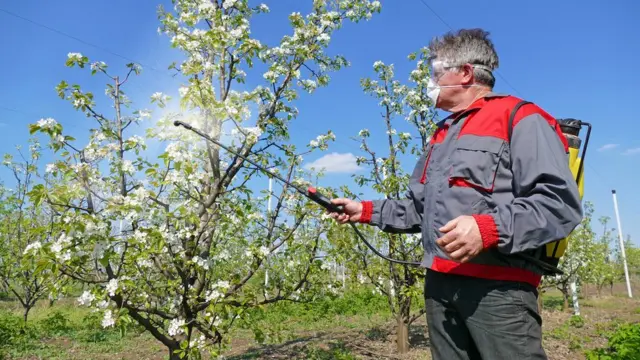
(633,257)
(24,228)
(578,260)
(603,267)
(387,176)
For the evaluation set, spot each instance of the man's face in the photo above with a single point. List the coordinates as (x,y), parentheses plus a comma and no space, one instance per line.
(452,81)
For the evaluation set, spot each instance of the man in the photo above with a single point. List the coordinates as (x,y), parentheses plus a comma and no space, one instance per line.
(479,195)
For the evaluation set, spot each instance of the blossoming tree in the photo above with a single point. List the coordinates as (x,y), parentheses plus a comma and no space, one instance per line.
(579,260)
(23,229)
(178,245)
(388,178)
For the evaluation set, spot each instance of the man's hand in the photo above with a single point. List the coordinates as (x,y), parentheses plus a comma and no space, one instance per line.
(352,211)
(462,240)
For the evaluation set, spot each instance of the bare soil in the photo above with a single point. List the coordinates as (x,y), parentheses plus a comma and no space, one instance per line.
(562,340)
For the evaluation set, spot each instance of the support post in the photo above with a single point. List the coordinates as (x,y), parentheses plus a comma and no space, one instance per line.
(621,238)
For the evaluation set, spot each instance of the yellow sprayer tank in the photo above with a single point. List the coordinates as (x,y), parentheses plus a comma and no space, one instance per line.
(571,130)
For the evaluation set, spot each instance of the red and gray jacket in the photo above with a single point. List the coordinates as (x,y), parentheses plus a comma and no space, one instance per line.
(521,192)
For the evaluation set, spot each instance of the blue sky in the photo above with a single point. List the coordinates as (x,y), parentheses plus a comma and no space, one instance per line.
(573,58)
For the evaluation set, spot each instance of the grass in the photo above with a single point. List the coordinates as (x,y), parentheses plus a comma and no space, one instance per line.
(356,326)
(66,331)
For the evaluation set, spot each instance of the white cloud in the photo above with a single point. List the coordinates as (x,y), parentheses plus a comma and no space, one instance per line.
(335,163)
(632,151)
(607,147)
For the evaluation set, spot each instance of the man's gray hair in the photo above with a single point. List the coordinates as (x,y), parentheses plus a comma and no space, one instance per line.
(467,46)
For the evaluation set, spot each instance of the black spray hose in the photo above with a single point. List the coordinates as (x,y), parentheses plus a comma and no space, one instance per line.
(311,193)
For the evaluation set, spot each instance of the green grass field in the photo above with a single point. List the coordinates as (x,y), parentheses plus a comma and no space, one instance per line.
(356,327)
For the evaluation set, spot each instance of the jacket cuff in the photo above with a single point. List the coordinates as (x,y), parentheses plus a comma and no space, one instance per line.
(488,230)
(367,211)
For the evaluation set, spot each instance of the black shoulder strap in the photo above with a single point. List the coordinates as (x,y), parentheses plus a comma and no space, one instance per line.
(513,115)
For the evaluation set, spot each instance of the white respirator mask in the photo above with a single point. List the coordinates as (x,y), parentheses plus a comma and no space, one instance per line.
(433,89)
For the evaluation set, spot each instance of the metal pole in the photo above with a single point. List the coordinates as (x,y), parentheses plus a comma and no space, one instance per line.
(266,272)
(620,236)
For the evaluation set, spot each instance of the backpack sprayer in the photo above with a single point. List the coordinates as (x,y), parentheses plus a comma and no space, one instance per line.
(571,130)
(554,250)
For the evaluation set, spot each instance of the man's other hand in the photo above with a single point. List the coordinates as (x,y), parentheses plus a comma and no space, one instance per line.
(352,210)
(462,240)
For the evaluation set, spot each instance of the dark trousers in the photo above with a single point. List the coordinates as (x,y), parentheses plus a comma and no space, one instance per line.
(471,318)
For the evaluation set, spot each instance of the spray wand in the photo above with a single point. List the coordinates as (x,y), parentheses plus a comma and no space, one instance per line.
(311,193)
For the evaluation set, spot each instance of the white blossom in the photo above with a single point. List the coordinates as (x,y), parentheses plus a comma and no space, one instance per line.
(47,124)
(112,287)
(33,247)
(86,298)
(270,76)
(176,153)
(127,166)
(213,295)
(264,251)
(200,262)
(198,343)
(58,139)
(108,320)
(324,38)
(144,114)
(254,216)
(223,255)
(222,284)
(98,65)
(205,6)
(59,244)
(79,102)
(175,327)
(145,263)
(74,56)
(236,33)
(160,98)
(228,3)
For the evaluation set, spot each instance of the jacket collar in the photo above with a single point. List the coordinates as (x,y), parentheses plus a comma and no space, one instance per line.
(476,105)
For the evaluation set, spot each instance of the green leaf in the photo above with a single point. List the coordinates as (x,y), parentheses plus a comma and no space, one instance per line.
(33,128)
(37,194)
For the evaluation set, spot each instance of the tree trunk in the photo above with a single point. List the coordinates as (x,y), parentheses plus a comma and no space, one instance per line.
(540,303)
(403,335)
(611,287)
(175,356)
(25,316)
(585,291)
(565,297)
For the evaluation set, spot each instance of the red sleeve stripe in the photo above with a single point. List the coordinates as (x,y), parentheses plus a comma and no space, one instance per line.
(488,230)
(367,212)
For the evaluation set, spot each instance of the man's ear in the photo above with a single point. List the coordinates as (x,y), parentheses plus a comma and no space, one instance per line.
(467,74)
